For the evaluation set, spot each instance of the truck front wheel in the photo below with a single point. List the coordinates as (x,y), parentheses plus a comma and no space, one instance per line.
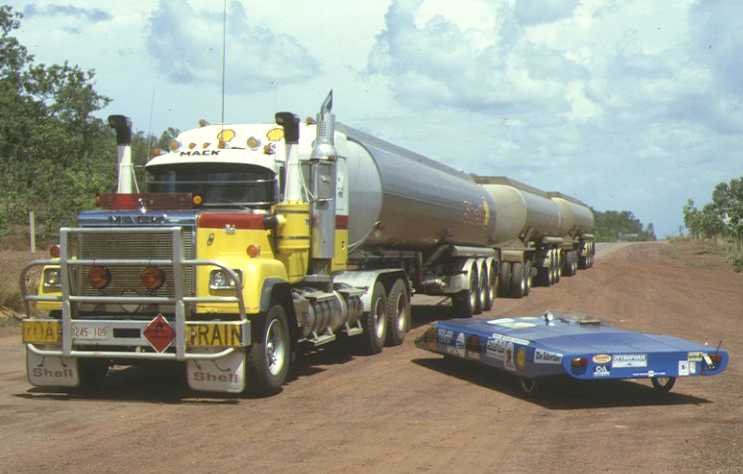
(268,360)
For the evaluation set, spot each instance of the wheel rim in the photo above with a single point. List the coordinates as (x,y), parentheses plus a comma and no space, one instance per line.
(523,284)
(275,347)
(379,319)
(402,322)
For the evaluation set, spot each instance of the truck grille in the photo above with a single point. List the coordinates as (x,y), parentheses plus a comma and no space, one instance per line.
(125,279)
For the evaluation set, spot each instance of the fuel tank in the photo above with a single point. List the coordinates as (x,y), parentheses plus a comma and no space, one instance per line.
(576,217)
(520,209)
(402,200)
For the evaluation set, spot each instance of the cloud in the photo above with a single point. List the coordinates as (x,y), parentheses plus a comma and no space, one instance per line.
(543,11)
(494,70)
(94,15)
(187,45)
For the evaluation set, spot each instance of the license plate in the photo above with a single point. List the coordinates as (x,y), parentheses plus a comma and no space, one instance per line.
(89,332)
(42,332)
(214,335)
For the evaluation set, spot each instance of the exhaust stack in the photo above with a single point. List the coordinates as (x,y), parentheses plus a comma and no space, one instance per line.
(323,183)
(123,127)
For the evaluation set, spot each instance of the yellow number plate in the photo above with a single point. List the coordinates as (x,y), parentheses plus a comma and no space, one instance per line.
(214,335)
(42,332)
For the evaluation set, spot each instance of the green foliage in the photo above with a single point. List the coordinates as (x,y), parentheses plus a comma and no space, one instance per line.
(54,153)
(610,226)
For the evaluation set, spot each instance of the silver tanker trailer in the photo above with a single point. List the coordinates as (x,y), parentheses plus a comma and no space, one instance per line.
(539,235)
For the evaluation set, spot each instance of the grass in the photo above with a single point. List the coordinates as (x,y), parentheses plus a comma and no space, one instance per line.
(710,254)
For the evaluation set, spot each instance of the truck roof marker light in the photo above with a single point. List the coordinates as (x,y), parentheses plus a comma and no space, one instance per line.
(310,121)
(197,200)
(54,251)
(152,278)
(205,145)
(253,143)
(253,251)
(99,277)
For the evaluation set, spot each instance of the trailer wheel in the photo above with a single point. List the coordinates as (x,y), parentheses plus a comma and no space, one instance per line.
(398,313)
(558,266)
(518,281)
(663,384)
(485,295)
(269,357)
(375,321)
(492,272)
(527,273)
(505,279)
(528,385)
(92,373)
(465,303)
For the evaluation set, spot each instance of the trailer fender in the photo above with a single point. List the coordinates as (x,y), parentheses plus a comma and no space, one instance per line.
(367,279)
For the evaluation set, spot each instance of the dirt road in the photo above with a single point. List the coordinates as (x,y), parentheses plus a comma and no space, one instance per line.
(406,410)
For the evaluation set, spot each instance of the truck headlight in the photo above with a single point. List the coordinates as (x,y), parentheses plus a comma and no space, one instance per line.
(51,279)
(221,280)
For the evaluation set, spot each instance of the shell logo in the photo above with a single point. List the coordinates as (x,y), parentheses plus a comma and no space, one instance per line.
(275,134)
(226,135)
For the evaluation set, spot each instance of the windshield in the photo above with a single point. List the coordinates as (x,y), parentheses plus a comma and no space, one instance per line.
(220,184)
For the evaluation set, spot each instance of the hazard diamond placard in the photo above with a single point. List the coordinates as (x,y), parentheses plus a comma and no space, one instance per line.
(159,333)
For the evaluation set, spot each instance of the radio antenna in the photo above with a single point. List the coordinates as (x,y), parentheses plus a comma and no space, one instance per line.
(224,55)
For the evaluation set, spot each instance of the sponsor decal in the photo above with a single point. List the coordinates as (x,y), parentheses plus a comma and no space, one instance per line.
(473,347)
(547,357)
(692,368)
(629,360)
(509,356)
(649,373)
(695,357)
(515,340)
(601,359)
(445,336)
(521,358)
(496,349)
(226,374)
(52,370)
(601,371)
(459,345)
(683,368)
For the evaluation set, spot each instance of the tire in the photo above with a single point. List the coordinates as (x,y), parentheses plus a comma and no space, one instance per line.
(375,321)
(92,373)
(505,279)
(492,286)
(518,281)
(527,275)
(558,266)
(398,313)
(269,357)
(663,384)
(485,295)
(465,303)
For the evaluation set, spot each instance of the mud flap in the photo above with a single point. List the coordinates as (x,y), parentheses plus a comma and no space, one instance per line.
(219,375)
(52,371)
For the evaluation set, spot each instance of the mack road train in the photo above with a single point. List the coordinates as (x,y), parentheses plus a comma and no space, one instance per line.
(250,241)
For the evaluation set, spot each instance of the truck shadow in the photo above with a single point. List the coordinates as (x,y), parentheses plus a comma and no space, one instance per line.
(561,393)
(422,315)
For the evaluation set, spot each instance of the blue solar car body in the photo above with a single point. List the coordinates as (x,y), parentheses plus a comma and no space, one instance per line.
(539,346)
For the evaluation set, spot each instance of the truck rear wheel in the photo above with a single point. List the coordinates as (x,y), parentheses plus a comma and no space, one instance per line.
(505,279)
(518,281)
(492,272)
(269,357)
(466,302)
(375,321)
(527,275)
(398,313)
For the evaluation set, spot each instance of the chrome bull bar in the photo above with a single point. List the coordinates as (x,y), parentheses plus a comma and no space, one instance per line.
(179,299)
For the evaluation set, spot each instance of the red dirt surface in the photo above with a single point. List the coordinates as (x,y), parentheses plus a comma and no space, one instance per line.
(407,410)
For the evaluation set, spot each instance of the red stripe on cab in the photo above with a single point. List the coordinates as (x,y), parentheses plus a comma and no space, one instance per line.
(341,222)
(218,220)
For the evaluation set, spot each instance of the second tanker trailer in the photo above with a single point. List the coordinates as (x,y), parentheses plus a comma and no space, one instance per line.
(540,236)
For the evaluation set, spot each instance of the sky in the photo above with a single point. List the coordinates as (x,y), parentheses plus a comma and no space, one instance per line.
(626,104)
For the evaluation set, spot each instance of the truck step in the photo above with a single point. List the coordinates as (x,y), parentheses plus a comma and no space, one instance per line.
(322,339)
(355,331)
